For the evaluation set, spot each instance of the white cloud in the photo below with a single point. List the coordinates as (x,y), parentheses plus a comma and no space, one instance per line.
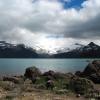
(27,20)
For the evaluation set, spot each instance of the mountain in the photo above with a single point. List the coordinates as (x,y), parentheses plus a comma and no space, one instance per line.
(91,50)
(8,50)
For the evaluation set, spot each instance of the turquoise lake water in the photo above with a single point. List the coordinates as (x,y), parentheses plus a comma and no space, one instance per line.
(18,66)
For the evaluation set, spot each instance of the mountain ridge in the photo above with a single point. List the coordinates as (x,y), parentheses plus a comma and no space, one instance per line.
(8,50)
(91,50)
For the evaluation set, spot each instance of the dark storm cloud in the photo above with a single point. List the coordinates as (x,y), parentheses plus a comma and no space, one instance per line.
(89,29)
(19,19)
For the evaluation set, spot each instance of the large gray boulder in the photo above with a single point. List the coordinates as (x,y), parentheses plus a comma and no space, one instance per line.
(92,71)
(92,68)
(32,73)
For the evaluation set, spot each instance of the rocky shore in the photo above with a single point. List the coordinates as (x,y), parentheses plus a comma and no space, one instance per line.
(35,85)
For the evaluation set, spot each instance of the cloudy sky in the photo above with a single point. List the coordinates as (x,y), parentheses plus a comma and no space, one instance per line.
(50,24)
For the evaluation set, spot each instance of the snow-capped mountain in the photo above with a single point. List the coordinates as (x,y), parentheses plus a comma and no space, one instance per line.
(8,50)
(91,50)
(90,46)
(4,45)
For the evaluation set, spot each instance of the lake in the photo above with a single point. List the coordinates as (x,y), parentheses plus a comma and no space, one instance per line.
(18,66)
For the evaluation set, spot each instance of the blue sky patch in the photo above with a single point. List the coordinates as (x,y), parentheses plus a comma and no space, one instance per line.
(72,3)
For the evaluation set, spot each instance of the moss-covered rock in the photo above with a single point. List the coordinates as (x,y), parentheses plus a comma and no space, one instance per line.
(81,85)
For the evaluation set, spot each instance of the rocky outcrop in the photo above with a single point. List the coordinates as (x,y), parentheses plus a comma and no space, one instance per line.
(92,71)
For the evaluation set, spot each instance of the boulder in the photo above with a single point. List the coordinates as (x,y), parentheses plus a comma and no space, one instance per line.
(95,78)
(92,68)
(32,72)
(81,85)
(92,71)
(49,73)
(12,79)
(59,75)
(78,73)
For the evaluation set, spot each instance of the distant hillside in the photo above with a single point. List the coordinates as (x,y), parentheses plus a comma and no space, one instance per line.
(8,50)
(89,51)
